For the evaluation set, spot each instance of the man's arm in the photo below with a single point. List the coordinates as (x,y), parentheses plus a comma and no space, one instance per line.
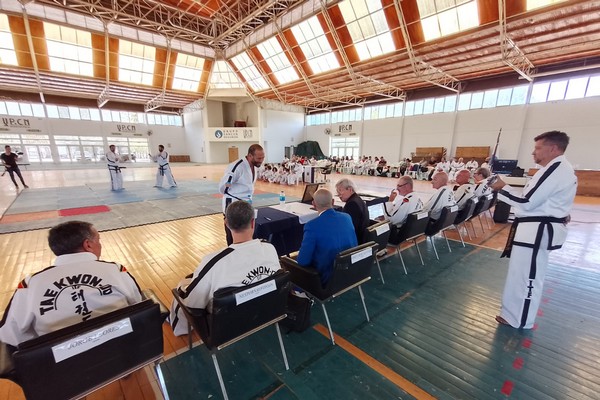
(231,176)
(16,325)
(129,286)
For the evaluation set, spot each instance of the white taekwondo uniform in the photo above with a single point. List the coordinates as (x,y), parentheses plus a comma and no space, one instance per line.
(397,211)
(164,170)
(441,198)
(238,182)
(116,178)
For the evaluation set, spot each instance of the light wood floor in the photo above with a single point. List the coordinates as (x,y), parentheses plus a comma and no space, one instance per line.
(159,255)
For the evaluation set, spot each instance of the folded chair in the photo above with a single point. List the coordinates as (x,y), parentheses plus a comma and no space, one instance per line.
(411,229)
(75,361)
(445,221)
(237,313)
(351,269)
(380,234)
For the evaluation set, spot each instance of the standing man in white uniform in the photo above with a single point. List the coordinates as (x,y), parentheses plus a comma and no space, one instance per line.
(541,216)
(239,178)
(112,161)
(164,170)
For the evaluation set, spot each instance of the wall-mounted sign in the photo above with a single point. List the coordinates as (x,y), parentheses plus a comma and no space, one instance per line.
(345,129)
(234,135)
(11,122)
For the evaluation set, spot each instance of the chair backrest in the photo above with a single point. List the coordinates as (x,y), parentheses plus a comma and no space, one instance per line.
(379,233)
(350,267)
(413,227)
(76,360)
(467,211)
(483,204)
(446,219)
(239,310)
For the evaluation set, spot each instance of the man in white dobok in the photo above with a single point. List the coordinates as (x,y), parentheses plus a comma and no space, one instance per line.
(112,161)
(164,170)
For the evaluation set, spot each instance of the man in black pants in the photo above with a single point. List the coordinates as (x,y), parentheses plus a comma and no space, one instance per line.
(9,159)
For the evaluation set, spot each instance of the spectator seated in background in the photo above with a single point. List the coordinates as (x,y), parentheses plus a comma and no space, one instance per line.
(245,261)
(325,236)
(355,207)
(442,197)
(402,202)
(76,288)
(463,191)
(481,187)
(472,165)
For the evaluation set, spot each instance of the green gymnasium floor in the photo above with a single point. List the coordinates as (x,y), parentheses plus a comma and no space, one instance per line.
(432,335)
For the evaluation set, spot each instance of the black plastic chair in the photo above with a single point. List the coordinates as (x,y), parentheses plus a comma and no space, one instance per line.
(411,229)
(75,361)
(237,313)
(380,234)
(445,221)
(351,269)
(483,204)
(463,215)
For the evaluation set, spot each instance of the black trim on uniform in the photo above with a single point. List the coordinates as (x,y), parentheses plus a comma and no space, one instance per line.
(218,257)
(547,173)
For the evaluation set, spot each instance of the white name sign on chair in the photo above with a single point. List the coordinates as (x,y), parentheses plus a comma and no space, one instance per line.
(255,292)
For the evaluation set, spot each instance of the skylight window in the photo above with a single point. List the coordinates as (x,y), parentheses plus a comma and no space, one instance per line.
(223,77)
(313,43)
(136,62)
(368,27)
(277,60)
(188,71)
(7,47)
(533,4)
(445,17)
(250,72)
(69,49)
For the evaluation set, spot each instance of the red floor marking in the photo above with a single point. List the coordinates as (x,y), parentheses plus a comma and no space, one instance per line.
(518,363)
(549,290)
(67,212)
(526,343)
(507,387)
(535,326)
(545,300)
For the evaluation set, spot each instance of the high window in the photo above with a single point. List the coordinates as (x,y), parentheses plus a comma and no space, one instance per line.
(313,43)
(188,71)
(223,77)
(277,60)
(136,62)
(69,49)
(250,72)
(445,17)
(7,47)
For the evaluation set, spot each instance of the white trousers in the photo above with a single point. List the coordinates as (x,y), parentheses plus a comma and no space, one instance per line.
(116,179)
(525,283)
(166,170)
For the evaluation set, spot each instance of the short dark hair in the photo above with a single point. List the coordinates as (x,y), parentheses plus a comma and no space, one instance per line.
(252,149)
(483,171)
(68,237)
(560,139)
(160,145)
(7,146)
(238,215)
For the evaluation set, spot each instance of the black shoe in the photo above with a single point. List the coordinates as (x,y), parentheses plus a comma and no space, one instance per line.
(25,186)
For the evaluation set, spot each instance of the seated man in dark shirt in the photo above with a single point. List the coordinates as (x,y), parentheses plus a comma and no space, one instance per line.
(355,207)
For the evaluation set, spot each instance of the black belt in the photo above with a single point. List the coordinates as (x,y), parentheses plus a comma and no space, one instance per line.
(114,168)
(162,168)
(513,229)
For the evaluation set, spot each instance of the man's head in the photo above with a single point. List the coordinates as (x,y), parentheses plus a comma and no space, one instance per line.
(462,176)
(439,179)
(112,148)
(161,147)
(345,188)
(7,149)
(74,237)
(481,173)
(404,185)
(322,199)
(548,146)
(239,217)
(256,155)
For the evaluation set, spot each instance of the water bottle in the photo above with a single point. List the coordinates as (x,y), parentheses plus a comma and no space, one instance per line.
(249,199)
(282,197)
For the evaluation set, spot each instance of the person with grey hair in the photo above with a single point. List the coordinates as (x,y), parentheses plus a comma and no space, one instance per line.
(325,236)
(463,191)
(244,262)
(76,288)
(355,207)
(402,201)
(481,185)
(542,211)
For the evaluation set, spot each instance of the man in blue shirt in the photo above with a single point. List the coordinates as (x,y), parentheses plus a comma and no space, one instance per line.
(325,236)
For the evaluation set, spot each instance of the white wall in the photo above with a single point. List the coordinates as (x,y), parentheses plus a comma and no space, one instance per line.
(280,129)
(381,138)
(195,134)
(317,134)
(214,113)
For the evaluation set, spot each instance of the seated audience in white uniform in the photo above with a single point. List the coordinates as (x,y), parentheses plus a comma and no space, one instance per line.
(463,191)
(441,198)
(481,186)
(402,202)
(77,287)
(244,262)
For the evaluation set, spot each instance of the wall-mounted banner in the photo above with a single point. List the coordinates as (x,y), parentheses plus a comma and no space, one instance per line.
(19,124)
(233,134)
(123,130)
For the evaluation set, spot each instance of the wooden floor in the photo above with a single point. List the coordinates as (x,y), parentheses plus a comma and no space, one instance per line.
(159,255)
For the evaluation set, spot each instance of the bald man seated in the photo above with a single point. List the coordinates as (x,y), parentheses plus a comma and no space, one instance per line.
(463,191)
(442,197)
(325,236)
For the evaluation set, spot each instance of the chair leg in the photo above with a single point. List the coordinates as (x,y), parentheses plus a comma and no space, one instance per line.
(419,251)
(362,297)
(460,235)
(467,229)
(328,324)
(434,249)
(189,336)
(447,242)
(285,360)
(379,267)
(214,357)
(402,259)
(481,223)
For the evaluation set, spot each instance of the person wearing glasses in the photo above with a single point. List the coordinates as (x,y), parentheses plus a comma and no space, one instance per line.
(402,202)
(481,185)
